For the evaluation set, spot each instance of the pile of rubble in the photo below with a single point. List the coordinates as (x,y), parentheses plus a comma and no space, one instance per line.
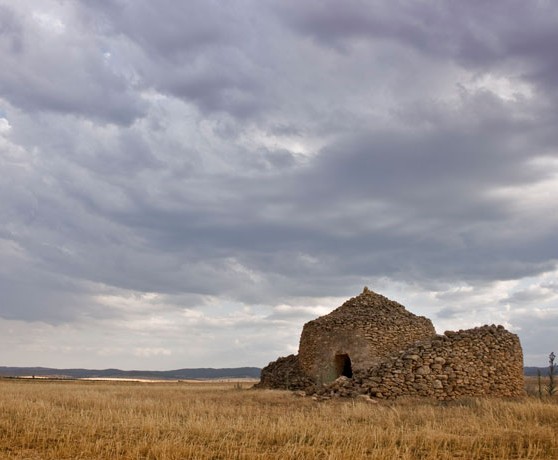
(284,374)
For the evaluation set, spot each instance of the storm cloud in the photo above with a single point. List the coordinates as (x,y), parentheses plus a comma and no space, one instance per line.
(185,184)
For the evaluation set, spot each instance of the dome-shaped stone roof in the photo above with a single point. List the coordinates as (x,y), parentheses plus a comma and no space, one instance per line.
(357,335)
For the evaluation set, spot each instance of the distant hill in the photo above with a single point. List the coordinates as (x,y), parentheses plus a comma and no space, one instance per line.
(533,371)
(201,373)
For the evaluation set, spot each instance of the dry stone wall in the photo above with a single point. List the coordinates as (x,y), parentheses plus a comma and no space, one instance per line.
(284,374)
(483,361)
(357,336)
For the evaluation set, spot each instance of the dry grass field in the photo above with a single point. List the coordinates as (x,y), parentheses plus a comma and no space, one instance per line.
(125,420)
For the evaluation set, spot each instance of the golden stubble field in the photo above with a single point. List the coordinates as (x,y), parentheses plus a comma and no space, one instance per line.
(126,420)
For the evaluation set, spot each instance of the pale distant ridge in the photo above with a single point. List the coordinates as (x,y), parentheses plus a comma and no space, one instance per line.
(197,373)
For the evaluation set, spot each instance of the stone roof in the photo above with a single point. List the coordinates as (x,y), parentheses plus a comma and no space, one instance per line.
(366,307)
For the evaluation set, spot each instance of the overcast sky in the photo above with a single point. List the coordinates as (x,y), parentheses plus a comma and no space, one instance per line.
(185,184)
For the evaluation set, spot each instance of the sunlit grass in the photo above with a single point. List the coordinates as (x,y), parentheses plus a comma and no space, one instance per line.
(86,420)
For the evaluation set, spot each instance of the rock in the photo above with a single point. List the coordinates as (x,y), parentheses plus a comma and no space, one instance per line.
(423,370)
(341,380)
(411,357)
(366,398)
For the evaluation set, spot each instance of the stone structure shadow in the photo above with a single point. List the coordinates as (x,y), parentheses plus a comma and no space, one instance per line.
(373,346)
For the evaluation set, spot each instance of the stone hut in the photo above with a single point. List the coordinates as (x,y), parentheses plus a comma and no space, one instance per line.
(358,335)
(373,346)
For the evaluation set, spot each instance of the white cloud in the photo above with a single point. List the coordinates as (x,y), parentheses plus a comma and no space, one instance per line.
(50,22)
(150,352)
(506,88)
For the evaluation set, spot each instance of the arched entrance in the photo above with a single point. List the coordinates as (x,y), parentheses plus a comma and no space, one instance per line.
(342,365)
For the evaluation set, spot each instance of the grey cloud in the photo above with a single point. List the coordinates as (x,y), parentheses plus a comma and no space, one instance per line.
(538,334)
(238,227)
(530,296)
(424,26)
(513,37)
(212,153)
(126,154)
(31,293)
(10,30)
(468,31)
(433,219)
(201,50)
(450,312)
(62,72)
(169,28)
(214,90)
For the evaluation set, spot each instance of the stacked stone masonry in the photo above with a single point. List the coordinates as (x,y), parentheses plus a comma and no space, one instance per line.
(476,362)
(373,346)
(285,374)
(365,330)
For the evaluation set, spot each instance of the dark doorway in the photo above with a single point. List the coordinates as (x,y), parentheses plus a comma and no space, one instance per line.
(343,365)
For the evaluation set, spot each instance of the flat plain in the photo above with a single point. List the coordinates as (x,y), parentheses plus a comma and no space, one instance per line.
(41,419)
